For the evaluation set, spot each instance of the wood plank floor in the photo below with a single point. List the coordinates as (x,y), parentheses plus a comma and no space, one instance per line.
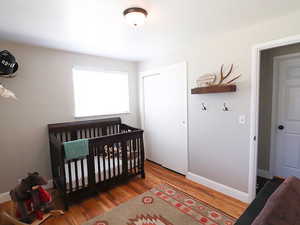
(103,202)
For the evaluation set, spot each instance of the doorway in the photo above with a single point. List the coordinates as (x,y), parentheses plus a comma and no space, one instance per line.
(164,116)
(279,114)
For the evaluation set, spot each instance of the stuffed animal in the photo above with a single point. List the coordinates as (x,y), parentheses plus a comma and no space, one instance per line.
(31,199)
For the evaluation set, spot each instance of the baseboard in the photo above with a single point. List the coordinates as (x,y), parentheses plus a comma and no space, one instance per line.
(5,197)
(242,196)
(264,173)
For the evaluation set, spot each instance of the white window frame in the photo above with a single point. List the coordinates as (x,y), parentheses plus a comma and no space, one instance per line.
(93,69)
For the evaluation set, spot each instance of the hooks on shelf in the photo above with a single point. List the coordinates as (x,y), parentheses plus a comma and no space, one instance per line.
(225,108)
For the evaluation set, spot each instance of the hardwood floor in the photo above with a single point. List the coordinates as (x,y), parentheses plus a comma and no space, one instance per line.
(103,202)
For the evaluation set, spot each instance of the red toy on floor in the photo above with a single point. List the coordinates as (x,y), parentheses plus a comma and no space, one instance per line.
(44,198)
(31,199)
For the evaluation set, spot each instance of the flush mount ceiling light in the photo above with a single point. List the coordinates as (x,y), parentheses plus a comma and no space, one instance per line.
(135,16)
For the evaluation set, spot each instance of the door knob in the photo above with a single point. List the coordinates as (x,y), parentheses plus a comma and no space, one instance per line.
(280,127)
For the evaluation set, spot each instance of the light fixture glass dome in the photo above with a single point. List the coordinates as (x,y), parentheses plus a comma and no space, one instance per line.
(135,16)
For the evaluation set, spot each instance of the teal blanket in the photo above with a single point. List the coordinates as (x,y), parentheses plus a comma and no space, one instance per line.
(76,149)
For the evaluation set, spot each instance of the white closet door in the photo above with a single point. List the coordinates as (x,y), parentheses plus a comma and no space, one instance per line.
(165,117)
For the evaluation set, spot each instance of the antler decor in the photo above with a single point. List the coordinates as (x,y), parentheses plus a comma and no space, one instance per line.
(224,77)
(5,93)
(207,83)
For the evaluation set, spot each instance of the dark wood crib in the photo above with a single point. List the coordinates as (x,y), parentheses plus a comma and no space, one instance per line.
(116,153)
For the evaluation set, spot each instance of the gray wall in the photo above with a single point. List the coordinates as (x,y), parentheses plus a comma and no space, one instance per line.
(45,90)
(219,147)
(266,90)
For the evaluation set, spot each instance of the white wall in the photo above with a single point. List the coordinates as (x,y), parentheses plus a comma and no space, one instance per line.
(218,144)
(45,90)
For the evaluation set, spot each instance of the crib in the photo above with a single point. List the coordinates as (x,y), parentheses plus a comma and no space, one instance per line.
(116,153)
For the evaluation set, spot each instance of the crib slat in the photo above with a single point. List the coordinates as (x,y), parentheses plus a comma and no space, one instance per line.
(133,155)
(114,163)
(76,175)
(130,155)
(118,158)
(68,136)
(139,155)
(99,167)
(142,156)
(63,170)
(82,173)
(109,167)
(125,163)
(70,177)
(104,131)
(104,164)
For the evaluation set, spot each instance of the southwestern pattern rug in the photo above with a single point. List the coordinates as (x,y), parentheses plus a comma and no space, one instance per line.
(163,205)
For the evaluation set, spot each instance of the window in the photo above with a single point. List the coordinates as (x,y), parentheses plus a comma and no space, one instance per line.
(100,93)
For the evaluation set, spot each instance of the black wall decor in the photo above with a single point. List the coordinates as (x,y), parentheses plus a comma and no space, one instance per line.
(8,64)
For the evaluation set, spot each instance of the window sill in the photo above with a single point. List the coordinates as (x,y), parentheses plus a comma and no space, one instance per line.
(102,115)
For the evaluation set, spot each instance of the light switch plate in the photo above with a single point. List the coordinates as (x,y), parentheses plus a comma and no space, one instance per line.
(242,119)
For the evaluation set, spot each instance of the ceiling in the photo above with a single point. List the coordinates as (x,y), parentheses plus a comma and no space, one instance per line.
(97,27)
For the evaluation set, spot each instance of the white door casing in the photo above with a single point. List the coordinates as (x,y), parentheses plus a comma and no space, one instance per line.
(164,116)
(254,105)
(287,138)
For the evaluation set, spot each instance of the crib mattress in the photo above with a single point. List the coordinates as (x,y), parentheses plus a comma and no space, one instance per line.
(104,171)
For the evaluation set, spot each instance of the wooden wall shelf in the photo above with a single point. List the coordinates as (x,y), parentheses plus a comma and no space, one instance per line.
(214,89)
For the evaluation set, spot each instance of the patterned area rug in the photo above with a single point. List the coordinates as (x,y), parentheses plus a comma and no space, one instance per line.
(163,205)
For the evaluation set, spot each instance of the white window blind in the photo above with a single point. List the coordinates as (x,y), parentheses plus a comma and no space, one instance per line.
(100,93)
